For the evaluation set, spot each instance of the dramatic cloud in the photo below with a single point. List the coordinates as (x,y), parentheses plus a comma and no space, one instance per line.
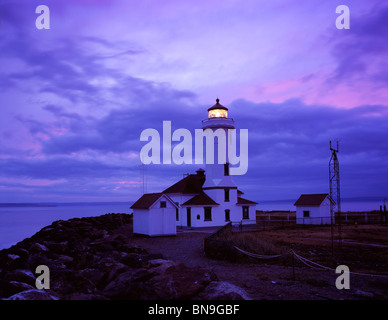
(74,99)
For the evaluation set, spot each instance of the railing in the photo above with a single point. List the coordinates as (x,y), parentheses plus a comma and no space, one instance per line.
(289,220)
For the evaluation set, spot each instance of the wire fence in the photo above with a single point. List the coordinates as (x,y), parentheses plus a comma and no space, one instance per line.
(273,221)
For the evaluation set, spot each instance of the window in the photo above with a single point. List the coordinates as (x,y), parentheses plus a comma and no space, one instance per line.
(226,195)
(177,211)
(226,169)
(208,213)
(245,212)
(306,213)
(227,215)
(198,217)
(163,204)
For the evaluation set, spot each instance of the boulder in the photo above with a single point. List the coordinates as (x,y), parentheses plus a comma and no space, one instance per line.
(9,288)
(21,275)
(121,287)
(11,261)
(179,282)
(33,294)
(37,247)
(222,290)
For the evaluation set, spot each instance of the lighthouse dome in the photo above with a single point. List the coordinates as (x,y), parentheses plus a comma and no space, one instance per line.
(218,110)
(218,117)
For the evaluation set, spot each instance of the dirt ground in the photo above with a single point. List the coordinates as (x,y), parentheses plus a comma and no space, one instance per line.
(270,281)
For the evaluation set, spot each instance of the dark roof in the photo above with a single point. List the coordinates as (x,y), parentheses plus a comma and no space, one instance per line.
(191,184)
(147,200)
(201,200)
(244,201)
(217,106)
(311,199)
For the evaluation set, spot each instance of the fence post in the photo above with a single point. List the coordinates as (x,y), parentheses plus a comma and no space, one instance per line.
(293,267)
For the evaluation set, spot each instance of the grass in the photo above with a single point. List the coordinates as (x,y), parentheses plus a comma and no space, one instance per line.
(314,243)
(254,243)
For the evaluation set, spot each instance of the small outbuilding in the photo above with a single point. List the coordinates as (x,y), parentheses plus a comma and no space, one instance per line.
(313,209)
(154,214)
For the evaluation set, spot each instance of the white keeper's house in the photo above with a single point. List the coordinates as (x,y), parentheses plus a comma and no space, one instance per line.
(205,199)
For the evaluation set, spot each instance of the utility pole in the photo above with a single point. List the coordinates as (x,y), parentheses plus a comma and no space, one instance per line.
(335,203)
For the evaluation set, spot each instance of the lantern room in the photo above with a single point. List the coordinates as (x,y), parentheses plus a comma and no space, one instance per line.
(218,111)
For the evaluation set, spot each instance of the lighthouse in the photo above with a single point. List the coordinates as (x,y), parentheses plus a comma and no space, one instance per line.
(210,197)
(219,184)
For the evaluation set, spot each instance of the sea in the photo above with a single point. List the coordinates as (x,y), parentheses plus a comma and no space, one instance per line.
(20,221)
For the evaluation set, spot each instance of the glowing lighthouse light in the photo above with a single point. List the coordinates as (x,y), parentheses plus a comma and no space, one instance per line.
(218,111)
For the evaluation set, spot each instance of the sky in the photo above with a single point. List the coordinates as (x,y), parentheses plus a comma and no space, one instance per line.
(75,98)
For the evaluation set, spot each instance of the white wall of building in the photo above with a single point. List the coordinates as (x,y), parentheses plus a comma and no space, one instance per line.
(217,215)
(317,214)
(155,221)
(141,221)
(180,199)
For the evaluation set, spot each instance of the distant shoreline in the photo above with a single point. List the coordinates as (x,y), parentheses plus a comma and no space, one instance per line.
(12,205)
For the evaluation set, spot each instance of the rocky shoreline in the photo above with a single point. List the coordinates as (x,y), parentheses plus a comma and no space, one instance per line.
(93,259)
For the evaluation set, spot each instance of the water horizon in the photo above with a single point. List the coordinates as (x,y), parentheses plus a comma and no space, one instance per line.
(22,220)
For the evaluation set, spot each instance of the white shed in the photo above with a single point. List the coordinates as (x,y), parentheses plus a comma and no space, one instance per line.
(313,209)
(154,214)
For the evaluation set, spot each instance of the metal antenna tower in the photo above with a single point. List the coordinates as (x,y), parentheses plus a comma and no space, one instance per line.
(334,179)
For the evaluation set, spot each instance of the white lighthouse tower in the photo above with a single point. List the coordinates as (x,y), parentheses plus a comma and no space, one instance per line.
(206,199)
(219,185)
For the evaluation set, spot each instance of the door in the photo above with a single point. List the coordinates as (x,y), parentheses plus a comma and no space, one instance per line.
(188,211)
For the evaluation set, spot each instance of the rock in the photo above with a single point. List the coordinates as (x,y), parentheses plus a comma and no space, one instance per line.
(57,247)
(133,260)
(37,247)
(222,290)
(67,282)
(122,287)
(10,261)
(84,296)
(178,281)
(16,286)
(118,240)
(21,275)
(114,272)
(160,265)
(142,275)
(103,247)
(364,294)
(33,294)
(131,249)
(94,275)
(22,253)
(88,261)
(8,288)
(65,259)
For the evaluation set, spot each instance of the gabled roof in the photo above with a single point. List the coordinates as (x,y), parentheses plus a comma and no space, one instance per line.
(311,199)
(148,199)
(245,201)
(191,184)
(201,199)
